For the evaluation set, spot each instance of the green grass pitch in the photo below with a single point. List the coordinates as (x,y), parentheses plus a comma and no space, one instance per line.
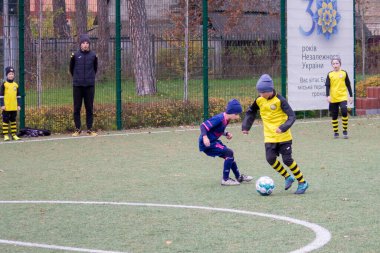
(164,166)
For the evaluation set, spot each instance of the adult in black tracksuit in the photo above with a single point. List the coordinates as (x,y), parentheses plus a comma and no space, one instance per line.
(83,68)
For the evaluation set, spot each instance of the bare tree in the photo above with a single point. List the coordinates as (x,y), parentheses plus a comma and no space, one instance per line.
(103,37)
(60,23)
(142,54)
(81,17)
(28,54)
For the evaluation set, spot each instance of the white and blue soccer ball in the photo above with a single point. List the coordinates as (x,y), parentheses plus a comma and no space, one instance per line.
(265,185)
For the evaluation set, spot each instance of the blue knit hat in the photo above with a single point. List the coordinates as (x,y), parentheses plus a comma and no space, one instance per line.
(234,107)
(265,84)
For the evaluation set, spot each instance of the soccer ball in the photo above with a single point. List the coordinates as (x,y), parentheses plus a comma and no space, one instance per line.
(264,185)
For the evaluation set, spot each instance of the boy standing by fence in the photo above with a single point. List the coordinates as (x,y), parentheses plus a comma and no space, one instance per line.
(10,104)
(209,143)
(277,117)
(337,85)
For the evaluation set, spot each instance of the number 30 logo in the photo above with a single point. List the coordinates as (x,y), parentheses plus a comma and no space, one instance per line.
(325,18)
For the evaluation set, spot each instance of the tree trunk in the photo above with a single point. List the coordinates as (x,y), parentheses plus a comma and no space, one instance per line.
(103,38)
(142,54)
(28,54)
(60,24)
(81,17)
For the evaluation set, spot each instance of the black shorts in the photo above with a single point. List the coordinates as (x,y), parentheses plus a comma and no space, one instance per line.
(9,116)
(276,149)
(334,107)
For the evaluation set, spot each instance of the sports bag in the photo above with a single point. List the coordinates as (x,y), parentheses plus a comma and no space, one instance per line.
(33,132)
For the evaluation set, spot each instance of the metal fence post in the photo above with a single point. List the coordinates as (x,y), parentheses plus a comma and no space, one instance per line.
(205,59)
(354,74)
(21,61)
(118,65)
(283,49)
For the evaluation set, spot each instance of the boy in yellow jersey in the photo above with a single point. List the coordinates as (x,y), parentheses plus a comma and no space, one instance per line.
(337,85)
(277,117)
(9,102)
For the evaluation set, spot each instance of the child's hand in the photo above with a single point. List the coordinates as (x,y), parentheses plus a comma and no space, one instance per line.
(3,108)
(328,99)
(206,141)
(229,136)
(278,130)
(245,132)
(18,108)
(350,100)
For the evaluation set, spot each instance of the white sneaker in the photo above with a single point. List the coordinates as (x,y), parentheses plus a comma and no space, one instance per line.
(229,182)
(244,178)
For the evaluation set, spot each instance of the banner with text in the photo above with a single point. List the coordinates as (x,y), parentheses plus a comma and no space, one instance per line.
(316,31)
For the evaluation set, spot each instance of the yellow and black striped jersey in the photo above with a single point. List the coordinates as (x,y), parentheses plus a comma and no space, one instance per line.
(275,113)
(9,96)
(337,85)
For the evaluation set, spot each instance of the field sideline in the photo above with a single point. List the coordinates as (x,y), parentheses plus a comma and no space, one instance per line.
(142,171)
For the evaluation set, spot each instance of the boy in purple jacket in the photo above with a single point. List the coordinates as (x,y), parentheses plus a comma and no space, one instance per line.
(209,142)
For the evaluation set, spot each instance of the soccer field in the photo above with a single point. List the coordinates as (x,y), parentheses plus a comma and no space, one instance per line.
(153,191)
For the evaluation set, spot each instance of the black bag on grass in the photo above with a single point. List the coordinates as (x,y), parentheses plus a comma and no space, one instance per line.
(33,132)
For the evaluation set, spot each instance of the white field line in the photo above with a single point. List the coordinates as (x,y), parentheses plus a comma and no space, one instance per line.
(322,235)
(56,247)
(154,132)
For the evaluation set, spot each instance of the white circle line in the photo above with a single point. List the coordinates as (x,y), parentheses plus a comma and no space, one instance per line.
(322,235)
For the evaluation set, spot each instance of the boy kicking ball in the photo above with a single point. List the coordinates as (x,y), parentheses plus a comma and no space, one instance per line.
(277,117)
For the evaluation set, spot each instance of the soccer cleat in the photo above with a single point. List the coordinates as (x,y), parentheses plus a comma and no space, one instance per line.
(288,182)
(6,138)
(244,178)
(76,133)
(336,135)
(302,188)
(92,133)
(229,182)
(345,135)
(15,137)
